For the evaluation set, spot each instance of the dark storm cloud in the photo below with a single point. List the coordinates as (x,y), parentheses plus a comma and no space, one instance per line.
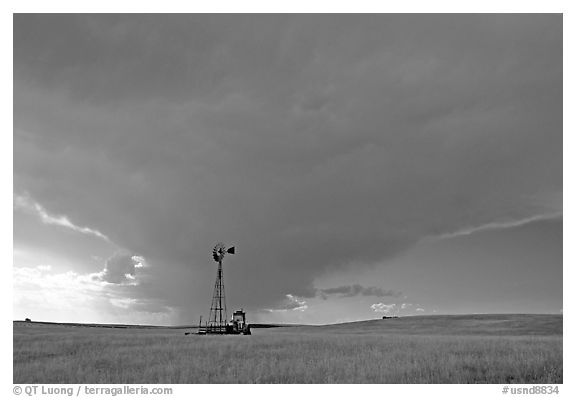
(357,289)
(310,142)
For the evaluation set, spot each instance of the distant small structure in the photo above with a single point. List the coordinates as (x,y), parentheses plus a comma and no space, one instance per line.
(387,317)
(238,324)
(239,318)
(28,320)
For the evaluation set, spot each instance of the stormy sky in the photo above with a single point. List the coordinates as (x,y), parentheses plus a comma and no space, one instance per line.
(361,164)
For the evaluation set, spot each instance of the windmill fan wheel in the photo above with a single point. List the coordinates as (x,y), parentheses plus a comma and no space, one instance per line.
(218,252)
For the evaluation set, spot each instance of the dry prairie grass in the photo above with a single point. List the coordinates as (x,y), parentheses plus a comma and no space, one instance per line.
(59,354)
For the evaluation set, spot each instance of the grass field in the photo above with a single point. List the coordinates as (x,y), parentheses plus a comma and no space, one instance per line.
(423,349)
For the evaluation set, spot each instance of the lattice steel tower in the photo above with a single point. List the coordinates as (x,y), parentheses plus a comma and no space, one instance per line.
(218,317)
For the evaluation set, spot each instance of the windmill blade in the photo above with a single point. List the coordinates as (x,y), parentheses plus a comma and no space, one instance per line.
(218,252)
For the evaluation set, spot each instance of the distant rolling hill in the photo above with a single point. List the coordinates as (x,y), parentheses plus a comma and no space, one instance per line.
(94,325)
(132,326)
(469,324)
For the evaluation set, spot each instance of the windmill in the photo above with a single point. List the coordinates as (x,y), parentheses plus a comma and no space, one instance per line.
(218,318)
